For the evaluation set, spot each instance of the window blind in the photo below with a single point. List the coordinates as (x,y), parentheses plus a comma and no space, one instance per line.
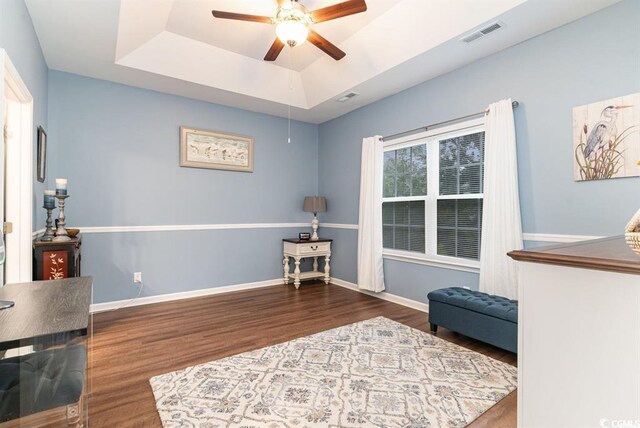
(403,225)
(459,221)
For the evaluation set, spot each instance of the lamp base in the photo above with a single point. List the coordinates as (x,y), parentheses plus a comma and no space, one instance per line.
(314,225)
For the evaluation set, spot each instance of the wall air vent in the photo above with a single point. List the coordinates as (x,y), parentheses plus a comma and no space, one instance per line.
(346,97)
(482,32)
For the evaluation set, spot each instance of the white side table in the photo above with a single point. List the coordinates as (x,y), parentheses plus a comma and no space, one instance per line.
(303,249)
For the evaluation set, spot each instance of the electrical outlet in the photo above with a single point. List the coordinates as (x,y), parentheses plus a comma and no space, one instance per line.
(137,277)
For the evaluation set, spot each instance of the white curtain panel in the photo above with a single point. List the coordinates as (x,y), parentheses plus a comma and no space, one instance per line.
(501,225)
(370,268)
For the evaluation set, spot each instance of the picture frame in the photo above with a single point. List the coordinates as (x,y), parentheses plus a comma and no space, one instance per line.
(200,148)
(41,167)
(606,139)
(304,236)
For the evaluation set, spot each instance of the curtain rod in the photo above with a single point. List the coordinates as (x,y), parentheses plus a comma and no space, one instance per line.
(436,125)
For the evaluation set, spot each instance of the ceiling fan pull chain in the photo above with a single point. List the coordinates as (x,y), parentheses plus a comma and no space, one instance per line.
(289,138)
(289,103)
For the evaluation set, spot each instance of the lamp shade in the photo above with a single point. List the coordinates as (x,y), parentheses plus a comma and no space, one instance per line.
(314,204)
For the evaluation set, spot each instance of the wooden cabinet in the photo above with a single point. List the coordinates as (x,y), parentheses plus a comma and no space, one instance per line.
(57,260)
(579,335)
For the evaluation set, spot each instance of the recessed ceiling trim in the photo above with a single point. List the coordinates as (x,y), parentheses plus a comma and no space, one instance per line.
(139,22)
(223,64)
(425,26)
(176,56)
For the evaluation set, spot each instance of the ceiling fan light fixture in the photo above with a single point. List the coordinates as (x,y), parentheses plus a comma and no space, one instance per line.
(293,32)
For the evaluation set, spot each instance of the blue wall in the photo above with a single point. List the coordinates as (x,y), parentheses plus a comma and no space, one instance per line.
(595,58)
(118,146)
(19,39)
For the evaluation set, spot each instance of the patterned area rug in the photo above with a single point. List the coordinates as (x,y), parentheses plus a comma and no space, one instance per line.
(372,373)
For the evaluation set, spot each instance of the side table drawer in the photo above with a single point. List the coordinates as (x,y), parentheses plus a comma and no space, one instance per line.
(307,249)
(311,248)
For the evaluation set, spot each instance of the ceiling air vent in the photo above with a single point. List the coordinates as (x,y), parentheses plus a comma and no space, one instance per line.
(346,97)
(482,32)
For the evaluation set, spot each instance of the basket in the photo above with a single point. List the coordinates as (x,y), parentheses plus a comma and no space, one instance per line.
(632,233)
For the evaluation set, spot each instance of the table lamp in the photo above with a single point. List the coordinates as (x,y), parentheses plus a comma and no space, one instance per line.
(315,205)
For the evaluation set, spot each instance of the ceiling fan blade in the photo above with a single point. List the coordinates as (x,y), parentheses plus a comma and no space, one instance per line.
(242,17)
(325,45)
(339,10)
(274,50)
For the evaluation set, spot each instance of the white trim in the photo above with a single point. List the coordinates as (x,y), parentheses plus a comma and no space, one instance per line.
(541,237)
(413,304)
(21,271)
(340,226)
(107,306)
(455,263)
(183,227)
(549,237)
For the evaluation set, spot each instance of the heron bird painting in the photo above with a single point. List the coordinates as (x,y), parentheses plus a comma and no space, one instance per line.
(606,138)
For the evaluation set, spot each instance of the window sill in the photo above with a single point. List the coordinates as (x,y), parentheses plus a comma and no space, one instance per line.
(435,261)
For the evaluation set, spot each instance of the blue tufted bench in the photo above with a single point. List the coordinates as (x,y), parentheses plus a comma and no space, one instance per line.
(491,319)
(41,381)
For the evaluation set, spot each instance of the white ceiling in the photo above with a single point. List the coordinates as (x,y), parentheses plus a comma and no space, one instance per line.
(177,47)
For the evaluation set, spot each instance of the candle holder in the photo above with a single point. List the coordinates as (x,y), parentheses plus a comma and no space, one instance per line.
(61,232)
(48,232)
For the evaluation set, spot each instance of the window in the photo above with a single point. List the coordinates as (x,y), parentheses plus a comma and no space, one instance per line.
(432,195)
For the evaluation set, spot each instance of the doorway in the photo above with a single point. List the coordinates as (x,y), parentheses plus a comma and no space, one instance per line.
(16,178)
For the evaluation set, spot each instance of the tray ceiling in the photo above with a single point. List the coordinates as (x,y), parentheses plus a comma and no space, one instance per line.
(177,47)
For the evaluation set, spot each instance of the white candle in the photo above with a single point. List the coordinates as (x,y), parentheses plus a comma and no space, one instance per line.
(50,192)
(61,183)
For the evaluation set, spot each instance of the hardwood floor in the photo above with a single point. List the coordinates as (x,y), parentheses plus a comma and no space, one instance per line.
(134,344)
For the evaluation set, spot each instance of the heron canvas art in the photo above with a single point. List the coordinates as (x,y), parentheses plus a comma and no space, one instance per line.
(606,139)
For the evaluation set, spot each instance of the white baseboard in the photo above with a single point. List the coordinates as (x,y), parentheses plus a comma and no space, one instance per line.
(107,306)
(413,304)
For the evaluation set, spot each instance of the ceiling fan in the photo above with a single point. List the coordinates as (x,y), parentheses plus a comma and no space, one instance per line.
(293,24)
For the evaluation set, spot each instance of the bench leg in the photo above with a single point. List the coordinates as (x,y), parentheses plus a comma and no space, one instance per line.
(434,328)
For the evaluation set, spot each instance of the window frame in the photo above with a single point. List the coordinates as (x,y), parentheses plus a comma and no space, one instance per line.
(432,138)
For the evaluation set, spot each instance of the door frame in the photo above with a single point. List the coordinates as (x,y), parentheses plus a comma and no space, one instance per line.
(20,269)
